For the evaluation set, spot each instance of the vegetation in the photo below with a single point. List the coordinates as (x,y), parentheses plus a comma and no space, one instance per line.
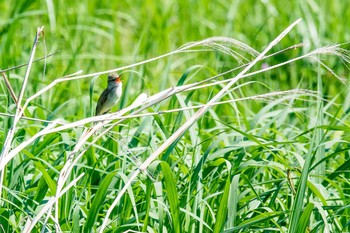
(221,126)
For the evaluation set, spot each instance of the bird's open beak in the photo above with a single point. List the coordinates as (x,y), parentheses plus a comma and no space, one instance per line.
(118,79)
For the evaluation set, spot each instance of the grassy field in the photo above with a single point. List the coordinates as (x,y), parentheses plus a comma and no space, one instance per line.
(217,147)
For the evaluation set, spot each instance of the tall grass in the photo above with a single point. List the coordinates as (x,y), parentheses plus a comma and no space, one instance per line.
(212,135)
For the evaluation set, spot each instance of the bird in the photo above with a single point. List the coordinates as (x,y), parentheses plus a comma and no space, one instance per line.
(110,95)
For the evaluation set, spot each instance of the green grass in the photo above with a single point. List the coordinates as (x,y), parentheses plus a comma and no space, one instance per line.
(259,163)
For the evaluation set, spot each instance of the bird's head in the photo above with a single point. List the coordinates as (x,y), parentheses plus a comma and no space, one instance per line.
(114,78)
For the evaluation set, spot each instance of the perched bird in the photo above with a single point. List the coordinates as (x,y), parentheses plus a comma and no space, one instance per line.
(110,95)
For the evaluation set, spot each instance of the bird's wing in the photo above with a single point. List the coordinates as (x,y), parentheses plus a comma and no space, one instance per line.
(101,101)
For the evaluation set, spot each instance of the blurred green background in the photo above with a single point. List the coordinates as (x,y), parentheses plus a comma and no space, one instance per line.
(98,35)
(245,149)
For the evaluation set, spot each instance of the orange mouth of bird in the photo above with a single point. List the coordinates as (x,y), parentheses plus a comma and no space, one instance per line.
(117,80)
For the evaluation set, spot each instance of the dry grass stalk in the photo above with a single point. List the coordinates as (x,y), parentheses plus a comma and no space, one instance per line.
(9,88)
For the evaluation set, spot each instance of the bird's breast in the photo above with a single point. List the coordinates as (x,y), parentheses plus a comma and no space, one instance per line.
(115,94)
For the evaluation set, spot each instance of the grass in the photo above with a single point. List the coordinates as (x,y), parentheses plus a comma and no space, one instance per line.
(268,155)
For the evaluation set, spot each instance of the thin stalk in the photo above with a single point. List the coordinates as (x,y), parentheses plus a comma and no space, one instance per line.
(9,88)
(36,60)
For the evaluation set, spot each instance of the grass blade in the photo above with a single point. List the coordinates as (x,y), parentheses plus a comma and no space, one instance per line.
(98,201)
(170,187)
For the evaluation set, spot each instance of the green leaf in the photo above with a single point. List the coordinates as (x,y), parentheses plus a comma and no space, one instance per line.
(299,200)
(147,204)
(262,218)
(45,174)
(98,201)
(305,218)
(173,198)
(222,211)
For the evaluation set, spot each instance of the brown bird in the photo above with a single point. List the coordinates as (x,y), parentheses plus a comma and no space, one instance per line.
(110,95)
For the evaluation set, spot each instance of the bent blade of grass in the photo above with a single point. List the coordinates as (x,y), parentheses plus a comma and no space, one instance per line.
(190,121)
